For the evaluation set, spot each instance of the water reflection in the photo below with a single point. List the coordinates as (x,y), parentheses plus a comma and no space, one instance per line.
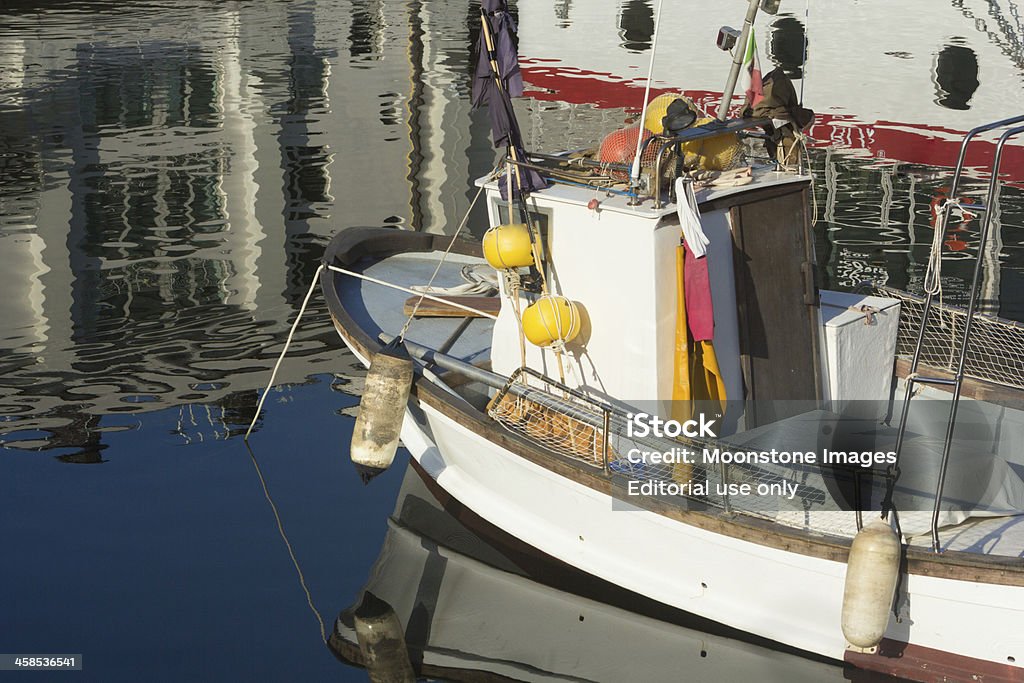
(466,612)
(563,9)
(1000,23)
(167,186)
(788,48)
(956,76)
(636,25)
(366,32)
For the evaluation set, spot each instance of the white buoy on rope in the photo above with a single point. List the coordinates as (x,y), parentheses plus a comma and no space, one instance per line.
(381,410)
(382,642)
(871,574)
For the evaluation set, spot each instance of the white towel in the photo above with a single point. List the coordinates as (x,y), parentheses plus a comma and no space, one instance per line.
(689,218)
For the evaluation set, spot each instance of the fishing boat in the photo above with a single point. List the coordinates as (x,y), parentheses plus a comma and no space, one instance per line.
(635,376)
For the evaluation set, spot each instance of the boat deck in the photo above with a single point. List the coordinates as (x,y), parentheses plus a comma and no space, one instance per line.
(379,309)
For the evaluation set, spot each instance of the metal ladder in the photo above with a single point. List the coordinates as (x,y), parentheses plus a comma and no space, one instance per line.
(957,380)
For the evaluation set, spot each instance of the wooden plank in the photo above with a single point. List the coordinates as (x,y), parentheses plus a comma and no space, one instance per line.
(435,309)
(978,389)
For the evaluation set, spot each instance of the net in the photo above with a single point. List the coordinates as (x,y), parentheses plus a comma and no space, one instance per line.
(619,147)
(995,352)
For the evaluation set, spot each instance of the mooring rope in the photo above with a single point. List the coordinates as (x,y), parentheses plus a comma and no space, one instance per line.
(288,545)
(287,343)
(422,295)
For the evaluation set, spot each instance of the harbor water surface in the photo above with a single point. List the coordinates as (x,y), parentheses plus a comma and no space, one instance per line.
(169,176)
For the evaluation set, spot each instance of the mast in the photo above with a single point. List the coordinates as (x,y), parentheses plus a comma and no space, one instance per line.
(737,61)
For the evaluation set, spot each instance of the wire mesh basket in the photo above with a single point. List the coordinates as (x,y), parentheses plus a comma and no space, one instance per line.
(553,415)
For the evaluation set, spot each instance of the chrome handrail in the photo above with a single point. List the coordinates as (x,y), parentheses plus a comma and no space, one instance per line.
(913,378)
(993,186)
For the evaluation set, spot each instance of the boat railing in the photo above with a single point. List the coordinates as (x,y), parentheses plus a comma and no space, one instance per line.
(1010,128)
(995,353)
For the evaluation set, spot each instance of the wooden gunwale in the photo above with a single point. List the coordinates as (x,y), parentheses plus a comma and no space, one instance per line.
(354,244)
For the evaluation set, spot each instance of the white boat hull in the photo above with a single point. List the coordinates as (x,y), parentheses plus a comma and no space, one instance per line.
(950,627)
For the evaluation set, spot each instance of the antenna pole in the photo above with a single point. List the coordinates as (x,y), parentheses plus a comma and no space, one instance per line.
(737,61)
(635,171)
(803,64)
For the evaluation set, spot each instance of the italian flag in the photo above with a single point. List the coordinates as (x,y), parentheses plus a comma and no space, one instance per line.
(750,75)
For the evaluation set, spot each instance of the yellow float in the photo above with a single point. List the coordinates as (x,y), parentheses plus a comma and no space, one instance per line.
(551,319)
(508,246)
(716,153)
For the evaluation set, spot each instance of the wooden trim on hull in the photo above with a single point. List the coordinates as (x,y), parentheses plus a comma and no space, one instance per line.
(928,665)
(357,243)
(976,389)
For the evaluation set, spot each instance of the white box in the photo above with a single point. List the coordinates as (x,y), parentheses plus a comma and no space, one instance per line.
(859,346)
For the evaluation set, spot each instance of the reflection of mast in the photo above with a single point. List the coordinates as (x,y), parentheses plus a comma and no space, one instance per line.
(236,101)
(443,138)
(885,206)
(306,178)
(562,10)
(21,307)
(12,69)
(416,106)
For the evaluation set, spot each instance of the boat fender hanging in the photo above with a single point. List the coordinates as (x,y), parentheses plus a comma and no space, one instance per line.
(381,410)
(508,246)
(871,574)
(551,319)
(381,641)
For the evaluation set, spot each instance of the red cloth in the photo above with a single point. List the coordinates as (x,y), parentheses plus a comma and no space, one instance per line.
(700,314)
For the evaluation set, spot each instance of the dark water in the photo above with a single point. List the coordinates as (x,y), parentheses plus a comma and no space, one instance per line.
(169,176)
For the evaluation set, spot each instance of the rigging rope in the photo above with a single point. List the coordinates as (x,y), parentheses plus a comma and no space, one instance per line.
(437,269)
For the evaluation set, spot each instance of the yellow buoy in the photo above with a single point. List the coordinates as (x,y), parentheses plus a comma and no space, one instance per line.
(381,411)
(871,574)
(551,319)
(656,110)
(508,246)
(716,153)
